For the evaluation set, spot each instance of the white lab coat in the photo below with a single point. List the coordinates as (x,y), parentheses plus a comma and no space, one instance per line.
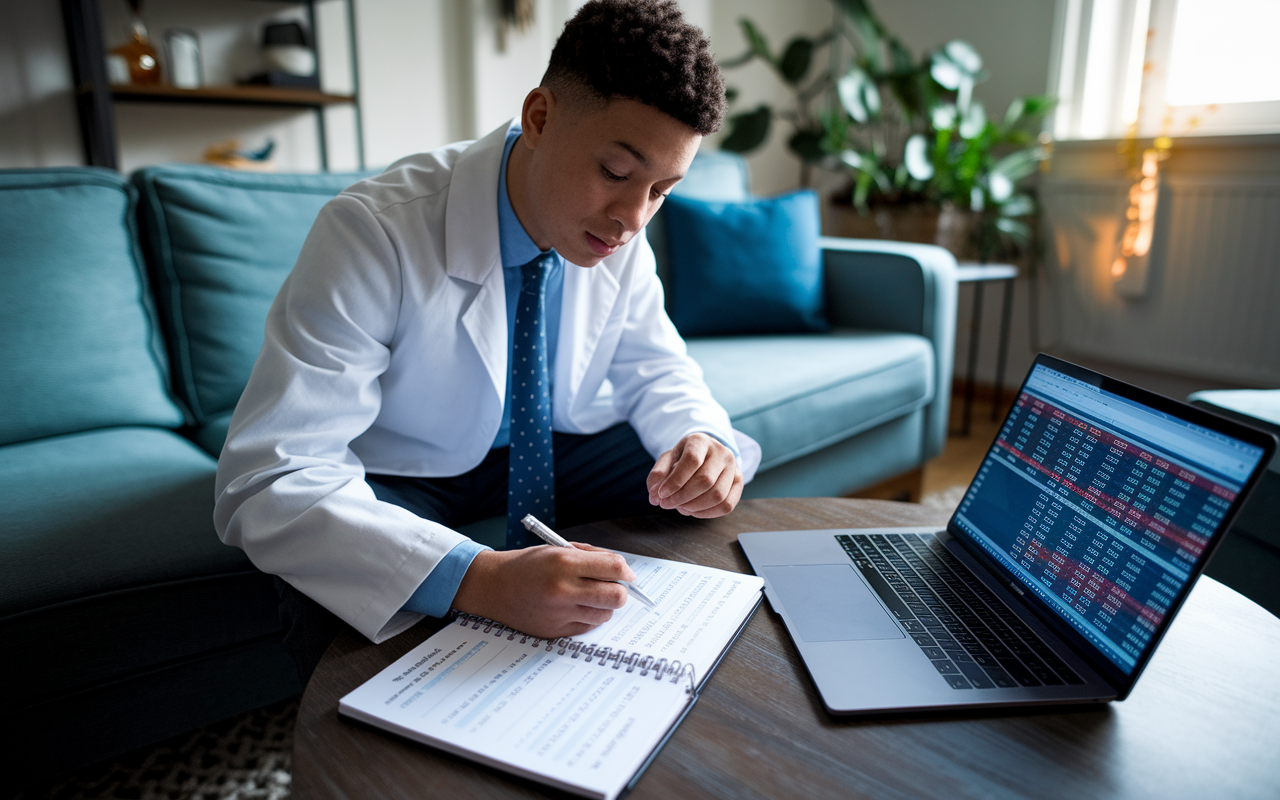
(386,351)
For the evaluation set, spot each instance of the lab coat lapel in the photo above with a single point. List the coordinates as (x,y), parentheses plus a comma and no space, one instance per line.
(589,297)
(472,251)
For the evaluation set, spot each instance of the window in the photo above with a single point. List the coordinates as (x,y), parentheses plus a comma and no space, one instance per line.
(1166,67)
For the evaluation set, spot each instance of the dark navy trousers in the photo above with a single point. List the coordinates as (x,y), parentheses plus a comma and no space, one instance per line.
(598,476)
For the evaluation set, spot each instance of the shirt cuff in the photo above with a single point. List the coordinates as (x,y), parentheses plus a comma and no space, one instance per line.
(732,445)
(434,597)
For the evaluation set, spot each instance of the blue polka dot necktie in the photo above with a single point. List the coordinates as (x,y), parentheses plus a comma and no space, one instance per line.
(531,484)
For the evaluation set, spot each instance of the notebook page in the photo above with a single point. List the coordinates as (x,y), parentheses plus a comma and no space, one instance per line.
(700,609)
(580,726)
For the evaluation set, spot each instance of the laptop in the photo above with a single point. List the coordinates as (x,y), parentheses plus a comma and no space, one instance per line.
(1092,514)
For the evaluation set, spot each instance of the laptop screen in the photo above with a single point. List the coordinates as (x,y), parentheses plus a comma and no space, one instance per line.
(1102,506)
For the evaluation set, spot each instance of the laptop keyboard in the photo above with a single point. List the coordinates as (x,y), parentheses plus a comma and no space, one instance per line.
(972,639)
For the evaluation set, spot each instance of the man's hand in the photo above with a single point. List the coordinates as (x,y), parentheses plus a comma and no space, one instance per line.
(699,477)
(545,591)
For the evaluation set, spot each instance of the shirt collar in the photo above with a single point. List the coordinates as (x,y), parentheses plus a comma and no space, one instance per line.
(515,243)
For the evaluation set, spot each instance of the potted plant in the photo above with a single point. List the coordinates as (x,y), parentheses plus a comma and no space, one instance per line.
(923,160)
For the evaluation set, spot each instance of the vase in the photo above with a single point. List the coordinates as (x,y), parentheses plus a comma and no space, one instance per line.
(139,56)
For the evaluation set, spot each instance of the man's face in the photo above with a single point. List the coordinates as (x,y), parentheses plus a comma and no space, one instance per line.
(590,178)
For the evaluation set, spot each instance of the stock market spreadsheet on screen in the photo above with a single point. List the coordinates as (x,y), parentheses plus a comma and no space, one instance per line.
(1101,506)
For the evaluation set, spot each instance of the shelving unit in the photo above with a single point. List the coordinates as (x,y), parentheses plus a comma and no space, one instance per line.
(96,98)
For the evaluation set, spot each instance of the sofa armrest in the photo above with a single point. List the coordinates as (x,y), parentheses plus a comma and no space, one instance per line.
(896,286)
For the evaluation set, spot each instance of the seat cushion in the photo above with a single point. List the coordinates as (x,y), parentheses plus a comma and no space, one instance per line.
(81,342)
(221,244)
(111,561)
(798,394)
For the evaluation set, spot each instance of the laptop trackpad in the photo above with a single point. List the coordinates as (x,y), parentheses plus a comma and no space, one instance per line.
(830,603)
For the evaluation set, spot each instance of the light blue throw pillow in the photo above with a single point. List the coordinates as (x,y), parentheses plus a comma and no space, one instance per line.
(745,267)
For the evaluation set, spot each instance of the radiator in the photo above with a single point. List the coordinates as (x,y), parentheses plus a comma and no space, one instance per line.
(1209,303)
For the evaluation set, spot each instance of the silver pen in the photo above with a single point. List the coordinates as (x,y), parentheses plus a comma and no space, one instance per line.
(556,540)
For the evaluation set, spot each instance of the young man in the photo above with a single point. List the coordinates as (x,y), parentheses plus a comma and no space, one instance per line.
(479,331)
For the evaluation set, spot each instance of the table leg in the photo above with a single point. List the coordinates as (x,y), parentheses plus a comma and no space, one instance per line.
(975,328)
(1006,315)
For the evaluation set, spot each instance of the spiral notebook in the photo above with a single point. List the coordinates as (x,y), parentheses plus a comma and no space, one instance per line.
(586,714)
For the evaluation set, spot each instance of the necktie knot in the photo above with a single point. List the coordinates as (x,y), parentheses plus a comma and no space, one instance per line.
(534,274)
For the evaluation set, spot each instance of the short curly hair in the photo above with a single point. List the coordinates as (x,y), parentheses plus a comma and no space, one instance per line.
(641,50)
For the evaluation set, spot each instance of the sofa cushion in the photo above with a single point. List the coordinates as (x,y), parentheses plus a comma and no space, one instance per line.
(221,244)
(103,511)
(801,393)
(112,564)
(745,267)
(81,346)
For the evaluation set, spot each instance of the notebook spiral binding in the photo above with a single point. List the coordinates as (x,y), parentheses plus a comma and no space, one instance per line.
(674,670)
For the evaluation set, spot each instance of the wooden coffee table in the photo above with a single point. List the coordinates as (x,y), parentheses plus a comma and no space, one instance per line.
(1203,721)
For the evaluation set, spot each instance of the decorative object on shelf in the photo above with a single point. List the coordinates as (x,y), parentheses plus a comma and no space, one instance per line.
(182,49)
(923,160)
(289,57)
(138,55)
(516,14)
(96,94)
(229,155)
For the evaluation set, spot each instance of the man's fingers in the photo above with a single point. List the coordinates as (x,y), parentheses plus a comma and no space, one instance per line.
(691,459)
(661,469)
(711,496)
(729,503)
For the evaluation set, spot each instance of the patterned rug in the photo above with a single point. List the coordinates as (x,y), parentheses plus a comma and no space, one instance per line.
(242,758)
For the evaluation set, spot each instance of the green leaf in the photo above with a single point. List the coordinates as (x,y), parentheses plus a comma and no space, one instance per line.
(1019,164)
(859,95)
(1020,205)
(962,54)
(902,62)
(861,188)
(1037,105)
(795,60)
(755,39)
(945,72)
(1017,230)
(974,121)
(915,157)
(869,28)
(808,145)
(730,94)
(1015,111)
(854,160)
(1000,186)
(747,131)
(943,117)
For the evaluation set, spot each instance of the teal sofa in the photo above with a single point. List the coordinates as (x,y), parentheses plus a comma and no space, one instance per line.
(131,311)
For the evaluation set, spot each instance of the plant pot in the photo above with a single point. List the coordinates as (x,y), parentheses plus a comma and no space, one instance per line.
(916,222)
(923,223)
(956,228)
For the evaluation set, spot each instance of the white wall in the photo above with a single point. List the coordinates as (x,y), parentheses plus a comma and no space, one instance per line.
(37,114)
(773,168)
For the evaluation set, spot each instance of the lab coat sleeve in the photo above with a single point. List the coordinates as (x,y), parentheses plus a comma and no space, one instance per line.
(657,386)
(290,492)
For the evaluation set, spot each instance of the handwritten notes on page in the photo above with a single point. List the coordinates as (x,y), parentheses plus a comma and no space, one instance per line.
(584,714)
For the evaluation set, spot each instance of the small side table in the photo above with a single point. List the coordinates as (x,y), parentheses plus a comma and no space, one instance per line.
(979,275)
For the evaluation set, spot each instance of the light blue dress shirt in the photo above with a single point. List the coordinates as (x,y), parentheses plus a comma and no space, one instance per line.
(435,595)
